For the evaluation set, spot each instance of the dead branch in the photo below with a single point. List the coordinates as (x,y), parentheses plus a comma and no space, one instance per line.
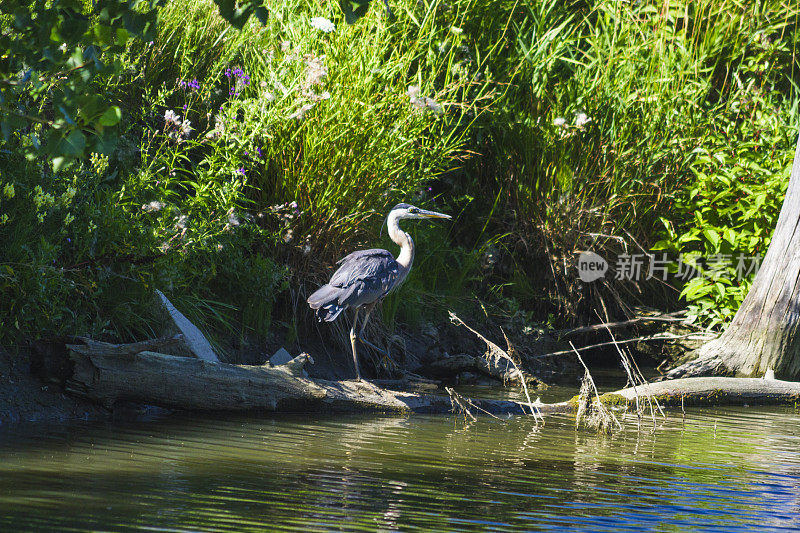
(614,325)
(647,338)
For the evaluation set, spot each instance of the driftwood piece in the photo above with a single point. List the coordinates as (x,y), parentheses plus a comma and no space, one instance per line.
(192,336)
(187,383)
(107,349)
(193,384)
(594,328)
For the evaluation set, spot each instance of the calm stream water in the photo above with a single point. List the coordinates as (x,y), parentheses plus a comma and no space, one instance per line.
(721,469)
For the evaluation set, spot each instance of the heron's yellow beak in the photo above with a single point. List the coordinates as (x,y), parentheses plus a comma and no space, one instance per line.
(433,214)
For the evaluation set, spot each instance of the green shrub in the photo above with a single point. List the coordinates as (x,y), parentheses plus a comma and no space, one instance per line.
(728,210)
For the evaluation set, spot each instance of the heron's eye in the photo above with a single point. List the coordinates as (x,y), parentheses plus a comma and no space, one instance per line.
(413,210)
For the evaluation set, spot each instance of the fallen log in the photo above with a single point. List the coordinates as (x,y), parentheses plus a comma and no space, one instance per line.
(193,384)
(710,391)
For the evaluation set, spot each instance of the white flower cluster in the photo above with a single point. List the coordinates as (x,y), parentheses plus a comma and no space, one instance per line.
(219,128)
(153,206)
(568,130)
(323,24)
(316,72)
(423,102)
(581,120)
(174,127)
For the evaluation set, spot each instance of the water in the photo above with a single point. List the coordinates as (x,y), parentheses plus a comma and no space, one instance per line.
(720,469)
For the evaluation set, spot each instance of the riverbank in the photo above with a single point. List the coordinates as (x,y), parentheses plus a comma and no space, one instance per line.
(24,398)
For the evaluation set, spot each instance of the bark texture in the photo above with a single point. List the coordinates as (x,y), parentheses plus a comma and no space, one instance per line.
(764,332)
(710,391)
(194,384)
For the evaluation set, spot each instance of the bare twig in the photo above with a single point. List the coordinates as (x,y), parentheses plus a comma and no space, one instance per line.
(494,353)
(597,327)
(459,404)
(657,337)
(635,377)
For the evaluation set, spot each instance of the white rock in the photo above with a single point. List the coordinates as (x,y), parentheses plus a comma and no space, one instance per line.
(281,357)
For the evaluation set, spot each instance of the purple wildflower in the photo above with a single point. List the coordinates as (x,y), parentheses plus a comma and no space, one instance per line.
(260,153)
(241,171)
(240,79)
(194,84)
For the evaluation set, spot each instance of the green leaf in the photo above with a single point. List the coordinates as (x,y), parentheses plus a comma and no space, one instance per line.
(59,163)
(111,117)
(695,289)
(354,9)
(105,144)
(72,144)
(712,236)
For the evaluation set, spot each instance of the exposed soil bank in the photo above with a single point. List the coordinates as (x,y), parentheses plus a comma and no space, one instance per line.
(23,398)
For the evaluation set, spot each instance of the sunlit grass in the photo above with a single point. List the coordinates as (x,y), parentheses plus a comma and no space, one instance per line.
(564,126)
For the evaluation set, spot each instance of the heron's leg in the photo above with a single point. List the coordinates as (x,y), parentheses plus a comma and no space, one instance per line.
(369,309)
(353,343)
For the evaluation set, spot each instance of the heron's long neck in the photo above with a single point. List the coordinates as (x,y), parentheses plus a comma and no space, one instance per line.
(403,240)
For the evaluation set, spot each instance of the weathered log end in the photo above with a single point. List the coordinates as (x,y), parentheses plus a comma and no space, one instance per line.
(714,391)
(187,383)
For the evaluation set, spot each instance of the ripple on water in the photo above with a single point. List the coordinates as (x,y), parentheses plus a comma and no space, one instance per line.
(714,469)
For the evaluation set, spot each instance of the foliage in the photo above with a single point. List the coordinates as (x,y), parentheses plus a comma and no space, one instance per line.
(727,212)
(731,209)
(275,148)
(50,55)
(244,155)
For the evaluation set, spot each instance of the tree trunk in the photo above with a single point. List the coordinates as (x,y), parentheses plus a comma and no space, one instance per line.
(764,332)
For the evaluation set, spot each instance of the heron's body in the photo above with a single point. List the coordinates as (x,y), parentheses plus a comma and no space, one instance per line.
(365,277)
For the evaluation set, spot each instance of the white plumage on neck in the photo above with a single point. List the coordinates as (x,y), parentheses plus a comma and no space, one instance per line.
(403,240)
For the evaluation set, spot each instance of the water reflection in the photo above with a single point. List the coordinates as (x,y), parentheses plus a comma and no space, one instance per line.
(715,469)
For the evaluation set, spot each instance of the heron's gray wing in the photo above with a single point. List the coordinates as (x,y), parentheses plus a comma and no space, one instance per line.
(365,276)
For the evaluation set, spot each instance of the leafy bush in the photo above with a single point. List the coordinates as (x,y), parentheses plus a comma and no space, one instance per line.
(730,207)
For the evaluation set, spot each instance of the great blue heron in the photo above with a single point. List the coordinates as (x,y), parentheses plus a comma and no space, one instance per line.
(367,276)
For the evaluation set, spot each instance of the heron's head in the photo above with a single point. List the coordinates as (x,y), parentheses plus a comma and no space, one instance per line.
(405,211)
